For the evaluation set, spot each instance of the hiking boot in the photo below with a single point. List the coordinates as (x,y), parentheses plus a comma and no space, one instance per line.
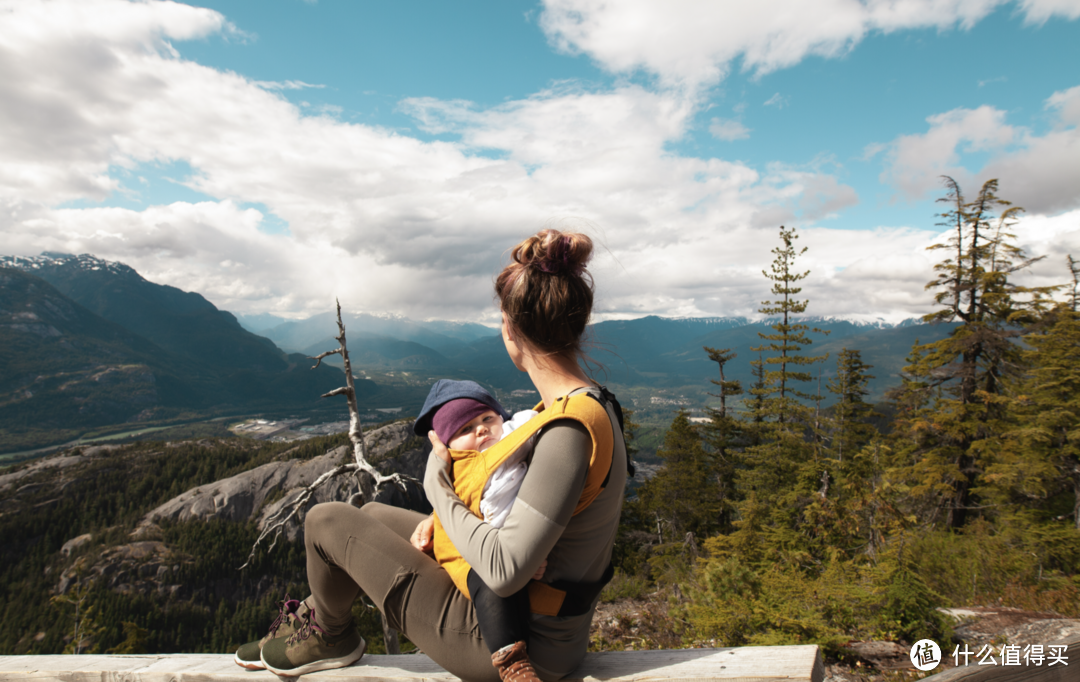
(513,664)
(249,655)
(310,648)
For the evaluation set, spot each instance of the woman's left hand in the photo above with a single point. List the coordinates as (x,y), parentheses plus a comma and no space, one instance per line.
(438,448)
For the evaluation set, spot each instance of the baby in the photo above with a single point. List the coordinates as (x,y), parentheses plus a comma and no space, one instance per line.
(467,418)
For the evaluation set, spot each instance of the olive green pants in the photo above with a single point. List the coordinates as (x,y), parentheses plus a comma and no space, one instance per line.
(351,549)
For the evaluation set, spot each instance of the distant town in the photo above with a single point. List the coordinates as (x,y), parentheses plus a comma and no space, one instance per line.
(288,430)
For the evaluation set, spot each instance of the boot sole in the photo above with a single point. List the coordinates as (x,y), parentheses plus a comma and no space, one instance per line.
(250,665)
(321,664)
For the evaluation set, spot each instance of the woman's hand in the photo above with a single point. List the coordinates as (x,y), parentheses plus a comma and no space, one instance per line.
(540,570)
(438,448)
(422,536)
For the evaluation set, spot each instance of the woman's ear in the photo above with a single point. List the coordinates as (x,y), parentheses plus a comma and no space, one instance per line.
(513,349)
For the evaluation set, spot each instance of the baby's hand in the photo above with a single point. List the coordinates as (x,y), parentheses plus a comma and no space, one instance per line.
(422,536)
(540,571)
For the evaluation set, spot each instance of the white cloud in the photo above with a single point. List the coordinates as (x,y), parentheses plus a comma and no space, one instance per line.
(1039,172)
(385,221)
(728,129)
(777,100)
(1067,104)
(917,162)
(1040,11)
(286,85)
(692,44)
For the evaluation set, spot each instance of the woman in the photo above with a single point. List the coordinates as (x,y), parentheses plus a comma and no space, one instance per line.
(546,299)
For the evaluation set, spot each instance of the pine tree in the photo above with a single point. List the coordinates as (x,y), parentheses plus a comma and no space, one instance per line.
(779,453)
(850,427)
(780,470)
(725,435)
(788,337)
(954,437)
(1042,454)
(842,515)
(682,495)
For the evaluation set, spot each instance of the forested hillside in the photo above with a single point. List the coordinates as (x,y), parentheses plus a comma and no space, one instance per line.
(80,548)
(779,521)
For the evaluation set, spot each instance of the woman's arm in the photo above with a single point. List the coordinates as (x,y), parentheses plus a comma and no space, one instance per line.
(505,559)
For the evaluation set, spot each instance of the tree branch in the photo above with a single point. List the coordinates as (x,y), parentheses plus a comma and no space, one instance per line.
(369,479)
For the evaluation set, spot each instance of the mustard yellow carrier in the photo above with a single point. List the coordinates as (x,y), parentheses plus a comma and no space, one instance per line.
(472,469)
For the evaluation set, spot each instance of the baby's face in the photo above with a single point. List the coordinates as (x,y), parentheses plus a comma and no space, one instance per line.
(479,434)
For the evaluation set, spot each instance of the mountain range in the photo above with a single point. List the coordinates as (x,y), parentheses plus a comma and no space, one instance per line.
(86,343)
(89,343)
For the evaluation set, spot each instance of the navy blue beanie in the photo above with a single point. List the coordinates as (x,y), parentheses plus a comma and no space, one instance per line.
(446,390)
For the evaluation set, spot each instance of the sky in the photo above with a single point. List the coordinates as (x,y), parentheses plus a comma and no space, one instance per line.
(274,156)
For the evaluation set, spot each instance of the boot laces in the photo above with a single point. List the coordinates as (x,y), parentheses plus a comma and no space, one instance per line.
(281,615)
(307,627)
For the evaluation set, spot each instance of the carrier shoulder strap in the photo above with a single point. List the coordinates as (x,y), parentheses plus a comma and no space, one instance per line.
(607,397)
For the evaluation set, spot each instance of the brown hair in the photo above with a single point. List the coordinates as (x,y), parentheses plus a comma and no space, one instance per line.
(546,292)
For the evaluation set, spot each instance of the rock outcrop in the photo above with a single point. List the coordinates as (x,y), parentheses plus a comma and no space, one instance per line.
(148,565)
(143,567)
(257,494)
(58,462)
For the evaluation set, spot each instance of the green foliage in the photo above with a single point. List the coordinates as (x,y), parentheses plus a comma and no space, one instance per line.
(624,586)
(682,497)
(850,426)
(134,640)
(83,615)
(738,605)
(836,532)
(105,496)
(959,408)
(1038,467)
(789,337)
(724,436)
(908,607)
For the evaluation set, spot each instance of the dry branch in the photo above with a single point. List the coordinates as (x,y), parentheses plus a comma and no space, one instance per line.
(368,477)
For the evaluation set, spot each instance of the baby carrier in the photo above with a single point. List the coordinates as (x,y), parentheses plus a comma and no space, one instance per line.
(471,470)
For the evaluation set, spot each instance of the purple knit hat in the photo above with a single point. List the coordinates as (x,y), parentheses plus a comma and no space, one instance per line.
(455,414)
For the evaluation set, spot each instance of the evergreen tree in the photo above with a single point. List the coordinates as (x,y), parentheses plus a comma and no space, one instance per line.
(780,451)
(725,435)
(780,471)
(850,427)
(953,439)
(788,337)
(682,496)
(1042,454)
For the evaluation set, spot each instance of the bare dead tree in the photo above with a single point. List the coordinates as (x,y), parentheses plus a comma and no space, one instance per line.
(369,479)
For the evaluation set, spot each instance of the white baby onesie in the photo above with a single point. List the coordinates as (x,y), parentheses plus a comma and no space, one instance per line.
(502,487)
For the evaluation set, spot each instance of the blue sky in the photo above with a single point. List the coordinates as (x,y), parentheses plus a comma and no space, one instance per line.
(275,155)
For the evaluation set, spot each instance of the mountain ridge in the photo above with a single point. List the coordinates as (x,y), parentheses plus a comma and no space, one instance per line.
(66,369)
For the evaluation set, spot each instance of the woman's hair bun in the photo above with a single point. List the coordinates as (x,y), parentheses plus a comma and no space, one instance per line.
(545,293)
(555,252)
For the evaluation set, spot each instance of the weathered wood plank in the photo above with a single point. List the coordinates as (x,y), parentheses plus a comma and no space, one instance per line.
(743,664)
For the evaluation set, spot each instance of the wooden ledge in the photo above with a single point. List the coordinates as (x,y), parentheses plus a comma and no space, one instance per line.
(742,664)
